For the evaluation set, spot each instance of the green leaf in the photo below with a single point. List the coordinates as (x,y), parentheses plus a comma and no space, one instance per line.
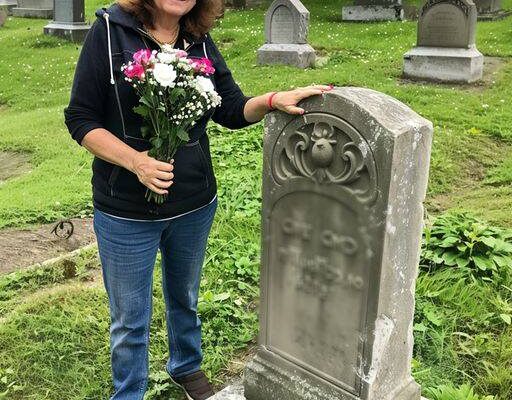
(462,262)
(507,318)
(183,135)
(449,241)
(141,110)
(482,263)
(449,258)
(489,241)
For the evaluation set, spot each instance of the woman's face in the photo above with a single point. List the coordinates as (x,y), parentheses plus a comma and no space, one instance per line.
(176,8)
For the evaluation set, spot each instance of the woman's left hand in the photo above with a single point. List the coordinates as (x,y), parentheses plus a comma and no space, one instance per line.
(287,101)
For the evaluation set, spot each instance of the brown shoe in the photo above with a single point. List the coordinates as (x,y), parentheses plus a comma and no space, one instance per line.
(195,385)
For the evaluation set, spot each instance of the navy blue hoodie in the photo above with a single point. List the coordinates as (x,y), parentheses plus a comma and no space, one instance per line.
(101,98)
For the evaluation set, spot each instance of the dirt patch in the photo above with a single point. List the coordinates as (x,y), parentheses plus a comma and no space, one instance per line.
(13,164)
(20,248)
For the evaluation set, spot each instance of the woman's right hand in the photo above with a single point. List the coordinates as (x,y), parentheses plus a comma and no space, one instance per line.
(155,175)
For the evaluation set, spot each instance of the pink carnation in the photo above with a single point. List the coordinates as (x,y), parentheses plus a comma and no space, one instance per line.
(134,71)
(143,56)
(203,65)
(182,53)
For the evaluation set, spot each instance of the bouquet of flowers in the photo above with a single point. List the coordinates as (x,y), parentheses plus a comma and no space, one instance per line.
(175,92)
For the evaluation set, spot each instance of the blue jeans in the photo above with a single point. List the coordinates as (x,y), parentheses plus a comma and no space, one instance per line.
(128,252)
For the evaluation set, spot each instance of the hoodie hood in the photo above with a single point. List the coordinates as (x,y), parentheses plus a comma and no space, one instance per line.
(117,15)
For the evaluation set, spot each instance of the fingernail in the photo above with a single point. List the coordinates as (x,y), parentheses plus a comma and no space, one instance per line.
(331,86)
(302,112)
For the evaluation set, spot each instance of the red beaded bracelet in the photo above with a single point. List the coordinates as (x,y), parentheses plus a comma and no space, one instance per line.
(269,103)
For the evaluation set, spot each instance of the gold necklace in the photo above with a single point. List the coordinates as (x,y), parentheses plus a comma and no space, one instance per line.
(172,41)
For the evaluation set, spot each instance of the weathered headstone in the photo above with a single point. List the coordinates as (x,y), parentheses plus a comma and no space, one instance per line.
(286,32)
(69,20)
(378,10)
(34,9)
(8,5)
(491,10)
(244,3)
(3,16)
(446,49)
(342,221)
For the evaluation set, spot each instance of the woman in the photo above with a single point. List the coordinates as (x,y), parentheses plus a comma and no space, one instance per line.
(130,230)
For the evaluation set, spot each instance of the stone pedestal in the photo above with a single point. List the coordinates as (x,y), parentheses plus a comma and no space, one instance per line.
(236,392)
(444,64)
(342,218)
(68,21)
(286,31)
(297,55)
(34,9)
(8,5)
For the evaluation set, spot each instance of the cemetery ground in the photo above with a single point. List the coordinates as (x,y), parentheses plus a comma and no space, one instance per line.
(54,319)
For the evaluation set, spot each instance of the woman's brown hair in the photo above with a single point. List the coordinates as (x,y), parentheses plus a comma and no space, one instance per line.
(198,21)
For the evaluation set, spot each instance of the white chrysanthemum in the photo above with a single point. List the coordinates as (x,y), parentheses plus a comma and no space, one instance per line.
(168,48)
(204,85)
(164,74)
(166,58)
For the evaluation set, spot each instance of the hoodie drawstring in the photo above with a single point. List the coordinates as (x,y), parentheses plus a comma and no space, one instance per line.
(112,81)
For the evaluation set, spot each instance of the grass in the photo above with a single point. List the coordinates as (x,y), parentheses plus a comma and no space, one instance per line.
(468,121)
(53,331)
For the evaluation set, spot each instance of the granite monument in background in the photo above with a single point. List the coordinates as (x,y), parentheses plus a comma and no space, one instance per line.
(8,5)
(69,20)
(34,9)
(342,222)
(242,4)
(378,10)
(491,10)
(286,32)
(446,49)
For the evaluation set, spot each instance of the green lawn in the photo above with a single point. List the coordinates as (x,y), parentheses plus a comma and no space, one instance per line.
(59,328)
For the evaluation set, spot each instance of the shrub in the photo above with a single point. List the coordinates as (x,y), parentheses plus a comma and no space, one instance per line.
(460,240)
(445,392)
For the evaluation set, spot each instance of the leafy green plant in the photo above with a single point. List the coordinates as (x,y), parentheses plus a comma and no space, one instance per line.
(463,241)
(464,392)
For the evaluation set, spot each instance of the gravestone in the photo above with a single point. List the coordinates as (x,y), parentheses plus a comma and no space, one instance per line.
(286,32)
(69,20)
(8,5)
(378,10)
(446,49)
(244,3)
(342,218)
(3,16)
(34,9)
(491,10)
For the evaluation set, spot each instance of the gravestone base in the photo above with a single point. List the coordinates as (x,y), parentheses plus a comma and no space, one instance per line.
(74,32)
(373,13)
(494,16)
(236,392)
(297,55)
(33,12)
(444,64)
(271,377)
(8,5)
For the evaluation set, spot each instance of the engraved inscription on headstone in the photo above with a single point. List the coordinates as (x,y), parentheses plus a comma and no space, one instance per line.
(342,217)
(282,27)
